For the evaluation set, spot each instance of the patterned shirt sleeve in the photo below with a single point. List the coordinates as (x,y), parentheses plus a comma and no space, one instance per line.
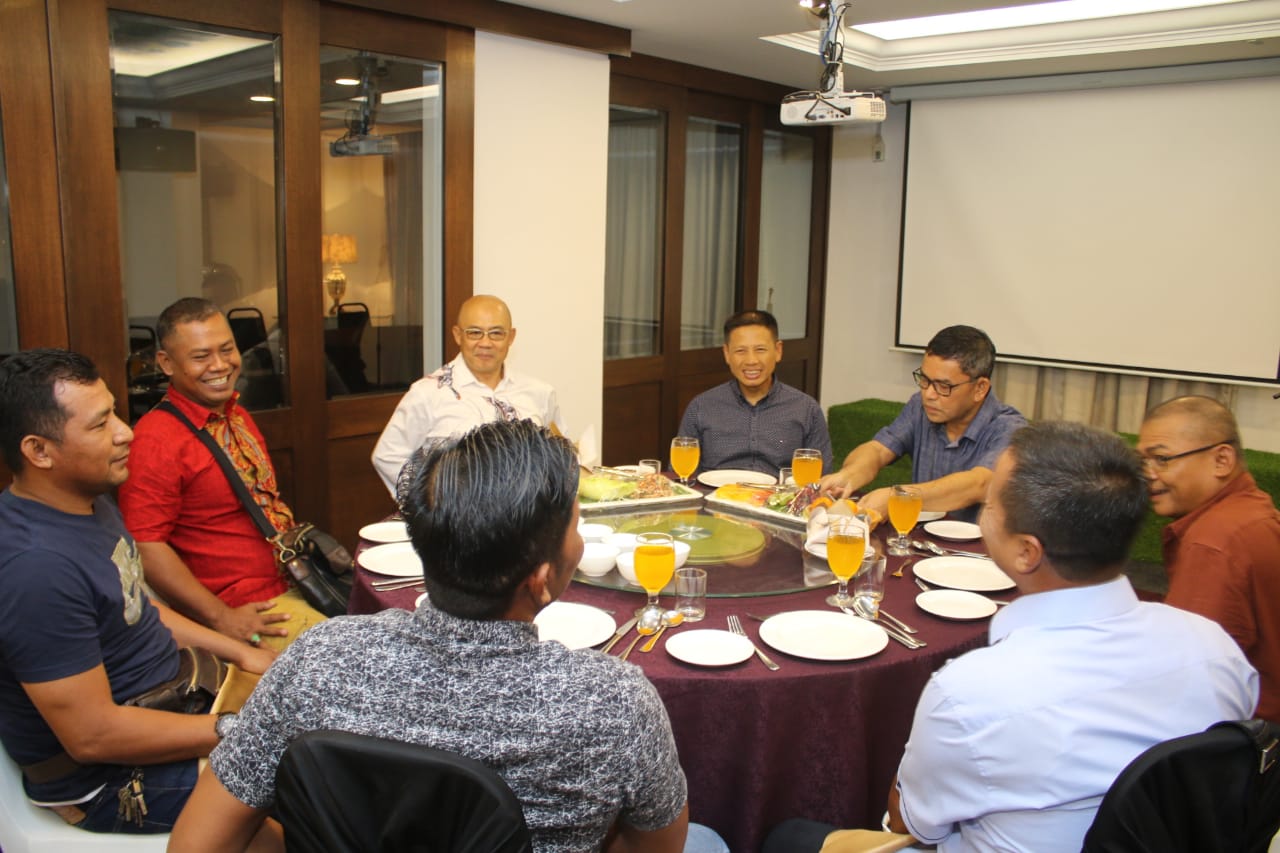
(659,791)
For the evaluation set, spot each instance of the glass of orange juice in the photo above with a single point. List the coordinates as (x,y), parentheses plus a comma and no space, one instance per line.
(904,511)
(806,466)
(846,545)
(685,453)
(655,562)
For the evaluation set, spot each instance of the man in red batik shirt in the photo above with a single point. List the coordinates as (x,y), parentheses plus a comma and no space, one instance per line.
(201,551)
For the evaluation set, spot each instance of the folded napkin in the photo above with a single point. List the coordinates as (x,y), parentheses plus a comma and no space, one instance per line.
(819,524)
(588,448)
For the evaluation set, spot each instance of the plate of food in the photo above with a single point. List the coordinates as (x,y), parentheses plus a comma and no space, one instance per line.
(610,490)
(787,506)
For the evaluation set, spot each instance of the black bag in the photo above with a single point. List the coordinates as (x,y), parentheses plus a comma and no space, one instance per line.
(313,560)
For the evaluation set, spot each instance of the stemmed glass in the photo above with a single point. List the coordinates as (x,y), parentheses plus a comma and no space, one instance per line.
(685,453)
(846,544)
(904,511)
(806,466)
(655,562)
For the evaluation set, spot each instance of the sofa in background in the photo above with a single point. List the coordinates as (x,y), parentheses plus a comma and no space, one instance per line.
(851,424)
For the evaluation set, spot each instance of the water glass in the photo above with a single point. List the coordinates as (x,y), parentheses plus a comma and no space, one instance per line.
(691,593)
(650,466)
(868,584)
(785,476)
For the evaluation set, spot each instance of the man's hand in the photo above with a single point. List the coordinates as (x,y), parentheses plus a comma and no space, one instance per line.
(837,485)
(255,660)
(877,500)
(248,622)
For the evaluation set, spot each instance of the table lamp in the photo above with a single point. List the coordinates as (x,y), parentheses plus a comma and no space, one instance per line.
(337,249)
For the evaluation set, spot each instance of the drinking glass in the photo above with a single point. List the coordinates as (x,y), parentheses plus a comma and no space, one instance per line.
(691,593)
(868,585)
(786,476)
(655,562)
(650,466)
(904,511)
(685,453)
(846,543)
(806,466)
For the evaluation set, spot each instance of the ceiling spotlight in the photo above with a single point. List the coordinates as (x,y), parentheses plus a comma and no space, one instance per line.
(347,81)
(262,99)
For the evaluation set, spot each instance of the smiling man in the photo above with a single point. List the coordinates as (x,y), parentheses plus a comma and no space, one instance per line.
(1222,551)
(953,429)
(200,548)
(754,421)
(475,388)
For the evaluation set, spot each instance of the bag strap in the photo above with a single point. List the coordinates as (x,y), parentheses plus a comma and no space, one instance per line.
(1264,736)
(265,527)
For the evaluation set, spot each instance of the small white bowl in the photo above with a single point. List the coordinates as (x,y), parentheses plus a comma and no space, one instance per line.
(627,561)
(594,532)
(597,559)
(622,541)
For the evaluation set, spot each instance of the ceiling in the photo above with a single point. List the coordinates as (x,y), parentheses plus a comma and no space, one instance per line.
(726,35)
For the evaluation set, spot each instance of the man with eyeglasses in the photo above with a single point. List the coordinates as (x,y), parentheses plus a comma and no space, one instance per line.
(1222,551)
(475,388)
(953,429)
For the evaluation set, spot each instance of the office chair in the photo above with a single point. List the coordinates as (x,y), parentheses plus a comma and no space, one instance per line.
(1213,792)
(338,792)
(342,346)
(248,326)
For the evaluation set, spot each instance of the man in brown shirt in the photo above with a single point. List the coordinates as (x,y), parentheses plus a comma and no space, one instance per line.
(1222,551)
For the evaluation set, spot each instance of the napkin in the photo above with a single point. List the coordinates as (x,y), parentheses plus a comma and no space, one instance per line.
(819,524)
(588,447)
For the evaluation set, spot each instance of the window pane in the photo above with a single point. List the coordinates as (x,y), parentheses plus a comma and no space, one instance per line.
(381,196)
(8,307)
(633,243)
(785,197)
(713,175)
(195,114)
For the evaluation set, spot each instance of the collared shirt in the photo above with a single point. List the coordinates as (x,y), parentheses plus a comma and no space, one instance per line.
(450,402)
(733,433)
(934,455)
(1223,560)
(582,738)
(1014,745)
(177,494)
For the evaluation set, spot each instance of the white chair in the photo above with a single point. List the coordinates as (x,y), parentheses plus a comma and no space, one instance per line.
(25,828)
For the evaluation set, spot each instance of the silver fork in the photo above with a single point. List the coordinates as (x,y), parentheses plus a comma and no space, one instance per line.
(735,625)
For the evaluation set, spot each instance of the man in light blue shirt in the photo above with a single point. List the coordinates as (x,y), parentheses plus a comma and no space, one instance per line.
(953,429)
(1014,745)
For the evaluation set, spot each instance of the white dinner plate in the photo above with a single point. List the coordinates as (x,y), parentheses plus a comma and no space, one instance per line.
(971,573)
(385,531)
(728,476)
(630,469)
(709,647)
(929,515)
(577,626)
(956,604)
(817,549)
(823,635)
(960,531)
(398,560)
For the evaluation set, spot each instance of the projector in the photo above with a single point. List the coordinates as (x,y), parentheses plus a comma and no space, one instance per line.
(362,146)
(817,108)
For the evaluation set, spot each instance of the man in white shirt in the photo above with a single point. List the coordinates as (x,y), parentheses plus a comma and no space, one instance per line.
(473,389)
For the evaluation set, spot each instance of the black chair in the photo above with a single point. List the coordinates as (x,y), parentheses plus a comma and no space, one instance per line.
(338,792)
(248,326)
(1213,792)
(342,346)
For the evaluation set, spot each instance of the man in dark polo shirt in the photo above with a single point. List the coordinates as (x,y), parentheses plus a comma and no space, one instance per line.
(79,635)
(753,421)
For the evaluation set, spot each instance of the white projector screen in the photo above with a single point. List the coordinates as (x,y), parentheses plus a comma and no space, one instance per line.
(1131,228)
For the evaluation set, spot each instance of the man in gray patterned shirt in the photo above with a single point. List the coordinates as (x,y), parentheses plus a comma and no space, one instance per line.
(581,738)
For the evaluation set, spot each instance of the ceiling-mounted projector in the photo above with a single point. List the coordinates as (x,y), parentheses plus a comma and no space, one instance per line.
(362,146)
(817,108)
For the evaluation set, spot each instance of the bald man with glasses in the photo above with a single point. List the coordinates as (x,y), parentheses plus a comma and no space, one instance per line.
(953,429)
(475,388)
(1222,551)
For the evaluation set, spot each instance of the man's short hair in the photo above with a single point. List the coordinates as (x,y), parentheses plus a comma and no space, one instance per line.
(486,510)
(27,402)
(753,317)
(1080,491)
(968,347)
(188,309)
(1211,420)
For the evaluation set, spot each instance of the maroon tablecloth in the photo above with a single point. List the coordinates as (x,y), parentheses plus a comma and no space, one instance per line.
(815,739)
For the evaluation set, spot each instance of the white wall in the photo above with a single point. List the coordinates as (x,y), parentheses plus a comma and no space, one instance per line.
(862,282)
(541,157)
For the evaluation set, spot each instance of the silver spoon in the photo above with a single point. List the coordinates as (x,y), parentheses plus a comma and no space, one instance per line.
(670,619)
(648,624)
(921,545)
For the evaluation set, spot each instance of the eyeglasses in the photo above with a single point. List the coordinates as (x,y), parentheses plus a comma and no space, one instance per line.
(475,333)
(942,387)
(1160,461)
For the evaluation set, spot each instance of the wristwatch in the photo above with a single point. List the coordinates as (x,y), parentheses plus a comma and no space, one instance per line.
(224,724)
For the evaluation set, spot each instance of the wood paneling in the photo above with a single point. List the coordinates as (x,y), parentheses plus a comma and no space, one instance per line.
(459,178)
(356,499)
(630,430)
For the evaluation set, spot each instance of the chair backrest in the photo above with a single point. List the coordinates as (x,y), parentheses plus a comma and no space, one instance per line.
(339,792)
(1213,792)
(248,326)
(353,315)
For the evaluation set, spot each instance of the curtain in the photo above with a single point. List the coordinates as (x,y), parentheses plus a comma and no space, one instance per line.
(711,224)
(633,243)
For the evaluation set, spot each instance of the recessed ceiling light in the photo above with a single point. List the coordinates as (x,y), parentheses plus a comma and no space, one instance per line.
(1023,16)
(262,99)
(347,81)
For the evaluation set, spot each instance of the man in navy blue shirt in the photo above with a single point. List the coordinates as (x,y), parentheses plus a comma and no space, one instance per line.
(79,635)
(953,429)
(753,421)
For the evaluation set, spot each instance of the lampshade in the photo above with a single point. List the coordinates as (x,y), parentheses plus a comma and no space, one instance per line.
(338,249)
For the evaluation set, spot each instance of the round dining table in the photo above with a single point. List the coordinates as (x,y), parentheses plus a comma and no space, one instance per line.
(815,738)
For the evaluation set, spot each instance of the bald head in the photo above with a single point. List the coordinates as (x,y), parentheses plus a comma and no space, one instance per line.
(484,305)
(1201,419)
(1191,449)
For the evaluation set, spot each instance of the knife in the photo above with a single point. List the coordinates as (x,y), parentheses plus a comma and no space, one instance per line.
(620,633)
